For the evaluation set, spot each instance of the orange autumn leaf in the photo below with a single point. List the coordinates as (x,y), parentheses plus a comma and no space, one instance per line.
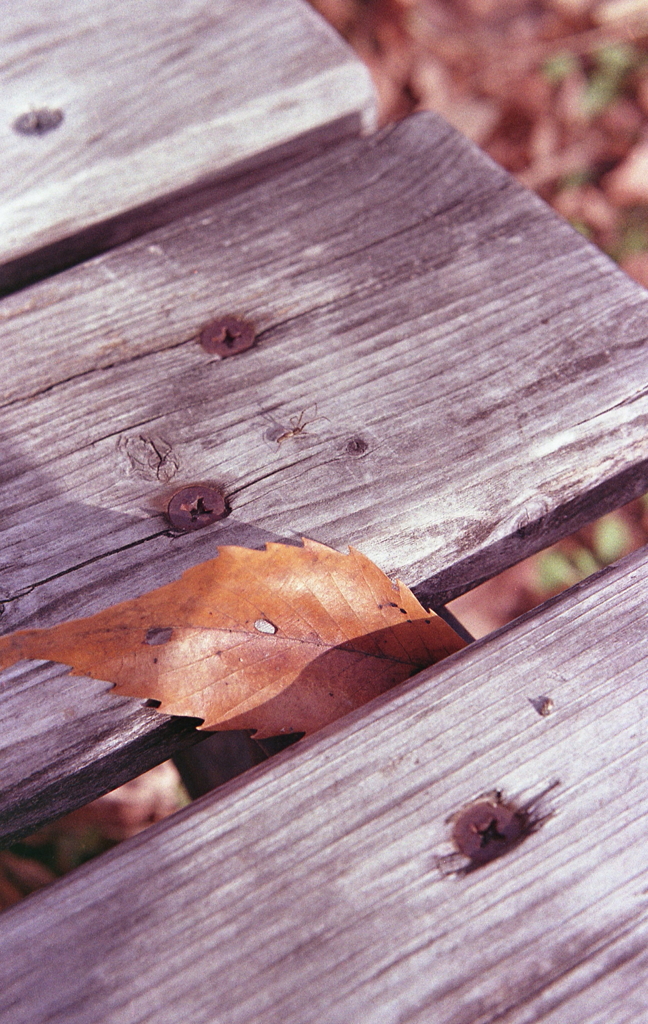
(277,641)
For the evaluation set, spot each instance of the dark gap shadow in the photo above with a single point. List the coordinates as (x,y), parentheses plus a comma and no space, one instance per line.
(98,238)
(127,566)
(465,575)
(120,556)
(217,758)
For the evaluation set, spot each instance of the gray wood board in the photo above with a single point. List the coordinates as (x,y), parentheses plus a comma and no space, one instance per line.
(308,890)
(155,99)
(64,740)
(471,375)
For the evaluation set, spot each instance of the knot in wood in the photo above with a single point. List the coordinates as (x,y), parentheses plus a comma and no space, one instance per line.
(37,122)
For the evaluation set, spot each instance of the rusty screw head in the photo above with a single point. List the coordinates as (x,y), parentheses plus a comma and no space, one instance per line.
(37,122)
(196,506)
(227,336)
(487,829)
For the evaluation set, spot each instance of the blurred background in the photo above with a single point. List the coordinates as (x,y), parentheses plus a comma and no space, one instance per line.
(556,91)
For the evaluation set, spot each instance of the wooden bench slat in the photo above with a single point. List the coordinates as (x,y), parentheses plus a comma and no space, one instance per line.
(469,372)
(410,297)
(307,891)
(64,740)
(156,98)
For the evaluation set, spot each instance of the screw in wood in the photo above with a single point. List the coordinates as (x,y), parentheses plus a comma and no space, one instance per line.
(227,336)
(196,506)
(37,122)
(487,829)
(490,826)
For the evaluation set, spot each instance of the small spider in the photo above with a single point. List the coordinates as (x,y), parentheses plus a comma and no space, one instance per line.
(489,827)
(297,425)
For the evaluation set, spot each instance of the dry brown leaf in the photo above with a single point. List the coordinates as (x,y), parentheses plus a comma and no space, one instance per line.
(278,641)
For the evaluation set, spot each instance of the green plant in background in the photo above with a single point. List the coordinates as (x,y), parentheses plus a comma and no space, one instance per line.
(582,228)
(612,65)
(555,572)
(612,538)
(576,179)
(60,851)
(560,66)
(564,565)
(633,235)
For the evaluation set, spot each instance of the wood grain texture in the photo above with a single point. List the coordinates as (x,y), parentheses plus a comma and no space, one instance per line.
(308,891)
(64,740)
(155,99)
(469,372)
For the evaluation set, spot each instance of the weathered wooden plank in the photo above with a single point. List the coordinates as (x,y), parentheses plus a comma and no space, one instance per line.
(155,99)
(64,740)
(462,408)
(308,890)
(469,372)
